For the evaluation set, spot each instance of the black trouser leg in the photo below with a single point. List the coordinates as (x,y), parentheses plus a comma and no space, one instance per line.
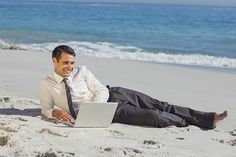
(140,109)
(143,116)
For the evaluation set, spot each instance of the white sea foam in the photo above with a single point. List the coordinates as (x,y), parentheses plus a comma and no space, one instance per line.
(109,50)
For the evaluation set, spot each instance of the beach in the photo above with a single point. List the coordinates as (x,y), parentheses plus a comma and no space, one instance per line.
(24,132)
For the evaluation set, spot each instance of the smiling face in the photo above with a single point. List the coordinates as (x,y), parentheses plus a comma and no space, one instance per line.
(64,65)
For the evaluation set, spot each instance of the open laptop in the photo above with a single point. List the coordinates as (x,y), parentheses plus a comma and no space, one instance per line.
(95,115)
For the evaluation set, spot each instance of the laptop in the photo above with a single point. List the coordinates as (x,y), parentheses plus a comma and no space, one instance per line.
(95,115)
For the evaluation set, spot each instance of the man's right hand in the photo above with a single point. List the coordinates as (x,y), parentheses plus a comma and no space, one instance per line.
(62,115)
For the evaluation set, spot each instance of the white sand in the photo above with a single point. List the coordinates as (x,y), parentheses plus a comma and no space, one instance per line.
(23,132)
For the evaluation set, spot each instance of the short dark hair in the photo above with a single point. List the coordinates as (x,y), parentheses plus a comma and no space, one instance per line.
(56,53)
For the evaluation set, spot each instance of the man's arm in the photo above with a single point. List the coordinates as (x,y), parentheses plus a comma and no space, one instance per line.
(47,107)
(46,100)
(100,92)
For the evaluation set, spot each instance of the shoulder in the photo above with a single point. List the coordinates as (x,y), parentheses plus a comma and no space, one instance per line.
(83,69)
(78,69)
(47,80)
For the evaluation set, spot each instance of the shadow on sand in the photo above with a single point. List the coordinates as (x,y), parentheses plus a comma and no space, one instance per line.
(33,112)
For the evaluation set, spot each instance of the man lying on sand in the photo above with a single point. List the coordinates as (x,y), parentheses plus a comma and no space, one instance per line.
(62,92)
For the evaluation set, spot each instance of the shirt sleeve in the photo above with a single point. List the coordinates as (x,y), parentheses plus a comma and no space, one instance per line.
(101,93)
(46,100)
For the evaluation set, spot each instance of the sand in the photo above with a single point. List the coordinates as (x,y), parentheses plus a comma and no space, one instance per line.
(24,132)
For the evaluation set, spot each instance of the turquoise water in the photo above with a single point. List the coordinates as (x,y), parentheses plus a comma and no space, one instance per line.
(190,35)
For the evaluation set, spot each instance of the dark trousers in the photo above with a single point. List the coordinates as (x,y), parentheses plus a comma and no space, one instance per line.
(140,109)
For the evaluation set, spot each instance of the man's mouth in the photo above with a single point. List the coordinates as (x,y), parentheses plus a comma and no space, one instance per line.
(67,71)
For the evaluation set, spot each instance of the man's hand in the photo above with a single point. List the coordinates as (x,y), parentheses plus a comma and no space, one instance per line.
(62,115)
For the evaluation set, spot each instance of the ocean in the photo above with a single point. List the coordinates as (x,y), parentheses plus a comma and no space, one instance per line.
(203,36)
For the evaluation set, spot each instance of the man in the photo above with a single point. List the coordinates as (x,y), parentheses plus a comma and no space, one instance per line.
(62,92)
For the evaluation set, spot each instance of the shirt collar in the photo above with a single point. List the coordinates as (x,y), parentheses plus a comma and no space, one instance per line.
(58,78)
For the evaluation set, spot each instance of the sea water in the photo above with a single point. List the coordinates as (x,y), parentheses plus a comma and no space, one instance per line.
(176,34)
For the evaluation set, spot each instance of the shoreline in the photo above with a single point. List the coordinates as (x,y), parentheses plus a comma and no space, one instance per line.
(187,66)
(110,50)
(191,66)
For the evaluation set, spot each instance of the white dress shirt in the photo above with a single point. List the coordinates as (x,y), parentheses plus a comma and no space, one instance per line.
(84,87)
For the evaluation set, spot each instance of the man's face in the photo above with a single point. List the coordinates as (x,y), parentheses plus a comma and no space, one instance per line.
(64,65)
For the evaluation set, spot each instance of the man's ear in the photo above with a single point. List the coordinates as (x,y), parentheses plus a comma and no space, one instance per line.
(54,60)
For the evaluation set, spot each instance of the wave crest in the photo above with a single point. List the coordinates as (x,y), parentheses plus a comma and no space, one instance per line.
(109,50)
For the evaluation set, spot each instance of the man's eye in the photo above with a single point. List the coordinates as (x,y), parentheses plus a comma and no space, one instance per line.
(66,63)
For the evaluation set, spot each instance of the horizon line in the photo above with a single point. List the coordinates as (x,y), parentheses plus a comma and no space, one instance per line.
(137,3)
